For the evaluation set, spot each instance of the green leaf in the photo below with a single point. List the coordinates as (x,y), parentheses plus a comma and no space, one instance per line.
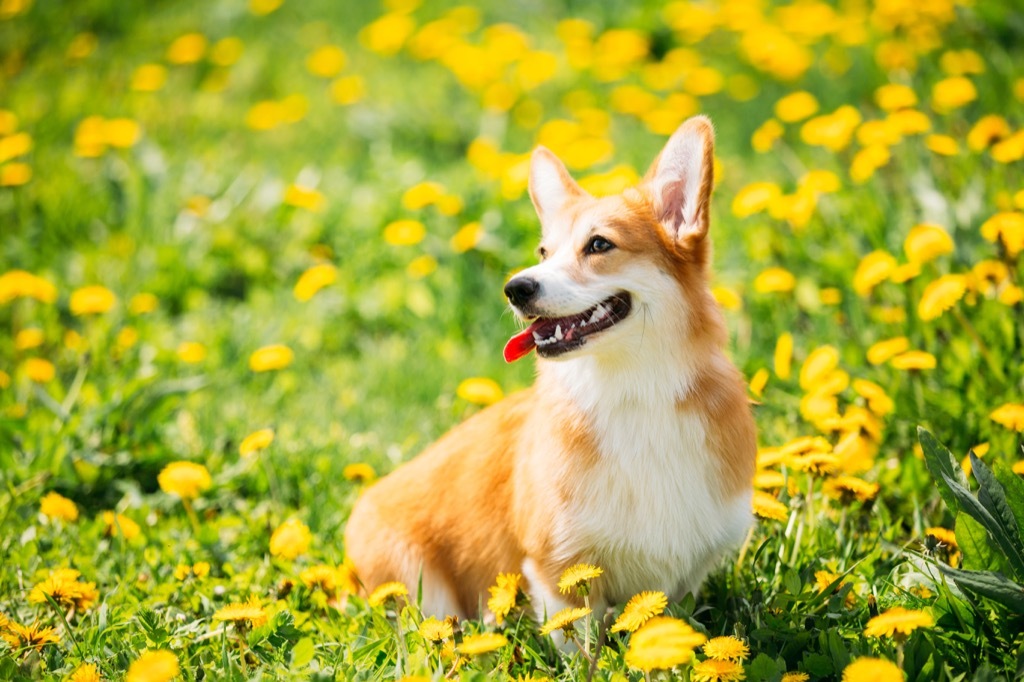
(764,668)
(1013,486)
(941,463)
(979,551)
(992,495)
(972,506)
(995,586)
(302,654)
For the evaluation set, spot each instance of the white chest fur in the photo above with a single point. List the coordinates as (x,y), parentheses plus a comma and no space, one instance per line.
(651,512)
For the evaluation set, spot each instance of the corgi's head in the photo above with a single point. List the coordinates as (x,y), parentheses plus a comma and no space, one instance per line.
(617,270)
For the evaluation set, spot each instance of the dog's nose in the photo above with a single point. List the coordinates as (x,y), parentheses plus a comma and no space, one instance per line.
(521,289)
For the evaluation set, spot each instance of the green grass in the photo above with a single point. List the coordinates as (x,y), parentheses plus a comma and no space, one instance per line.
(193,213)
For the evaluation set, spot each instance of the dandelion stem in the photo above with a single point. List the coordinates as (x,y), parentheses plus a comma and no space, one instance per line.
(187,503)
(586,626)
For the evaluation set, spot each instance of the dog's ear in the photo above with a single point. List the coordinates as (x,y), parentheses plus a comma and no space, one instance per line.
(680,180)
(551,186)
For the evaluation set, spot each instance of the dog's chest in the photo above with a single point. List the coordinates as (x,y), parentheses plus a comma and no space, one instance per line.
(650,512)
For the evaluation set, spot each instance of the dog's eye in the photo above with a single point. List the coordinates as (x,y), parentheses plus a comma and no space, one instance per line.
(598,245)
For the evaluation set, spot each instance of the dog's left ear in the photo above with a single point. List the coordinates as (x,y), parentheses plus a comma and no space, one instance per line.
(680,180)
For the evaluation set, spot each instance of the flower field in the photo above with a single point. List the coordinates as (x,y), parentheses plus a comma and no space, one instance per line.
(252,255)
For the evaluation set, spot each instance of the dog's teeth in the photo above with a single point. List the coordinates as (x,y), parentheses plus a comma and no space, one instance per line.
(537,338)
(601,311)
(558,332)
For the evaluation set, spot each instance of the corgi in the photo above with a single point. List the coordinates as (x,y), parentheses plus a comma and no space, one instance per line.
(635,448)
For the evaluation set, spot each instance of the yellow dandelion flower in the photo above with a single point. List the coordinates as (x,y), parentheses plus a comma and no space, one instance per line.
(1018,467)
(264,7)
(578,576)
(941,295)
(182,571)
(154,666)
(291,539)
(926,242)
(143,303)
(483,643)
(953,93)
(20,284)
(434,630)
(754,198)
(774,280)
(914,359)
(564,619)
(1009,415)
(848,488)
(943,535)
(388,34)
(468,237)
(796,106)
(713,670)
(640,609)
(909,122)
(818,365)
(121,133)
(662,643)
(326,61)
(783,360)
(795,676)
(63,586)
(759,381)
(56,506)
(822,580)
(898,621)
(256,441)
(313,280)
(92,300)
(187,49)
(39,370)
(87,672)
(303,197)
(149,78)
(887,349)
(986,132)
(119,524)
(503,595)
(817,463)
(389,590)
(191,352)
(201,569)
(480,391)
(359,472)
(227,51)
(1009,150)
(873,269)
(404,232)
(348,90)
(422,195)
(728,298)
(726,649)
(866,669)
(184,479)
(764,137)
(1007,227)
(322,577)
(832,131)
(769,479)
(895,96)
(767,506)
(249,612)
(867,161)
(33,636)
(269,358)
(15,174)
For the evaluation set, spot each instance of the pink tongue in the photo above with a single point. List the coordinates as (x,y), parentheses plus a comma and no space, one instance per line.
(519,345)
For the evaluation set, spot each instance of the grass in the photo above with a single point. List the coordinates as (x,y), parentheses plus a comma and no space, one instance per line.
(229,168)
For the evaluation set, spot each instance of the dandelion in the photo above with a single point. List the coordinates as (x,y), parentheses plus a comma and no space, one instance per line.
(1009,415)
(883,351)
(227,51)
(64,587)
(291,539)
(326,61)
(434,630)
(824,579)
(774,280)
(866,669)
(953,93)
(758,382)
(121,133)
(388,34)
(783,359)
(503,595)
(480,391)
(873,269)
(867,161)
(39,370)
(796,106)
(184,479)
(304,197)
(348,90)
(248,613)
(640,609)
(359,472)
(386,591)
(484,643)
(849,488)
(895,96)
(256,441)
(201,569)
(943,145)
(313,280)
(270,358)
(15,174)
(1008,227)
(141,304)
(926,242)
(262,8)
(56,506)
(768,507)
(154,666)
(764,137)
(92,300)
(191,352)
(713,670)
(941,295)
(119,524)
(564,620)
(404,232)
(795,676)
(182,571)
(21,284)
(662,643)
(578,577)
(726,649)
(898,621)
(87,672)
(914,359)
(755,198)
(33,636)
(986,132)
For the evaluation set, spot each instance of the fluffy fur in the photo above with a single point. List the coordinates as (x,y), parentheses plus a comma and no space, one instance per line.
(634,451)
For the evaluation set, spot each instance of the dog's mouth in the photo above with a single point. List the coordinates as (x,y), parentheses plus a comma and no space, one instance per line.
(553,336)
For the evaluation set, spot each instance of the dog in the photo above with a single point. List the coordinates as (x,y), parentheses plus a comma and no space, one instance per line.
(635,448)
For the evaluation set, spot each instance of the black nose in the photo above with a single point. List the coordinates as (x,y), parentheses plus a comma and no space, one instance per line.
(521,289)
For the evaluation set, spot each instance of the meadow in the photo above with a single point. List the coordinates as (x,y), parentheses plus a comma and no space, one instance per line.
(252,255)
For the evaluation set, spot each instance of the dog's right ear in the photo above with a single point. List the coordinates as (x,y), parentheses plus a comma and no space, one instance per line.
(551,186)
